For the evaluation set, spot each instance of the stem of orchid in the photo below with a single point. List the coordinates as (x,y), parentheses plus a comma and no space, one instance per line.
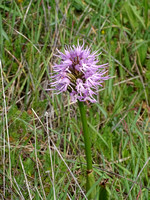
(90,173)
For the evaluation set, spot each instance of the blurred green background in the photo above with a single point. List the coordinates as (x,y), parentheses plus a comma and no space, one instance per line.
(119,124)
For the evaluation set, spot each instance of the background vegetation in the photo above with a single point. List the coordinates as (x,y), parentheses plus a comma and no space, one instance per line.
(32,166)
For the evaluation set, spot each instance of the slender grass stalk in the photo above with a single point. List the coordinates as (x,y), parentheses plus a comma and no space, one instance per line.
(145,2)
(90,174)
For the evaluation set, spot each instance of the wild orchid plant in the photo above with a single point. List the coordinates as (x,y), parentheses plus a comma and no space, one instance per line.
(81,75)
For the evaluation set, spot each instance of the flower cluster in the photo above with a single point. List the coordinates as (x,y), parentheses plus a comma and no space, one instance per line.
(79,73)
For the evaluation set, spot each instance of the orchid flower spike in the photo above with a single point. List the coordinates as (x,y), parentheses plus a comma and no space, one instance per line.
(79,73)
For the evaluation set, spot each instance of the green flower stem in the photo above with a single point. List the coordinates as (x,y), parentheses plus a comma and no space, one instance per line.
(86,136)
(90,174)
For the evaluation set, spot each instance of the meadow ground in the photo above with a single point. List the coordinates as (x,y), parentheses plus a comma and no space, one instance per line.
(34,167)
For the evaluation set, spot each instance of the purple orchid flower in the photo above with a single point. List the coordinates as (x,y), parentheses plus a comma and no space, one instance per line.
(79,73)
